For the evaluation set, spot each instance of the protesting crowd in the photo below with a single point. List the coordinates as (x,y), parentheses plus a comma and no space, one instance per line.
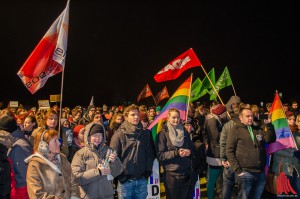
(108,152)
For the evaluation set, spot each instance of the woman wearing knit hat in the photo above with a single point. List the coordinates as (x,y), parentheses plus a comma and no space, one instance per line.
(213,127)
(78,141)
(95,165)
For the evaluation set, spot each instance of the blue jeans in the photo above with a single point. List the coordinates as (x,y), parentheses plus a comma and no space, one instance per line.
(133,189)
(228,182)
(251,185)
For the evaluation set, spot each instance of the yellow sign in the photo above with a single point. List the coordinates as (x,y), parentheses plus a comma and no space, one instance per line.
(54,98)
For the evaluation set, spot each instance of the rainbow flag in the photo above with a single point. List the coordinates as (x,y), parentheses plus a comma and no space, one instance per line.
(179,100)
(284,137)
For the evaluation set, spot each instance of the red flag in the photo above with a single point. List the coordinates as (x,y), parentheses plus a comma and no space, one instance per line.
(163,94)
(48,57)
(146,92)
(176,67)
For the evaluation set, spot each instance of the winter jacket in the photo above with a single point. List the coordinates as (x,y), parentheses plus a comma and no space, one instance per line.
(6,141)
(243,153)
(84,166)
(133,146)
(4,173)
(224,134)
(45,180)
(168,154)
(213,127)
(20,150)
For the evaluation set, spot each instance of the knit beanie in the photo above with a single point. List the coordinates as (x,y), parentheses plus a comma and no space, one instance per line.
(289,114)
(77,129)
(96,128)
(218,110)
(8,124)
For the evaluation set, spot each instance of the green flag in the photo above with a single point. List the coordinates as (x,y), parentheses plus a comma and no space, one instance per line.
(201,88)
(195,90)
(223,81)
(206,84)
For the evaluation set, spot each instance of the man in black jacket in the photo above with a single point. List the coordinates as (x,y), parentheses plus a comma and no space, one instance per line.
(246,154)
(134,148)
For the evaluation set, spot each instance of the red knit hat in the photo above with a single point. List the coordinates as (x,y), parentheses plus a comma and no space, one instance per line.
(218,110)
(76,130)
(289,114)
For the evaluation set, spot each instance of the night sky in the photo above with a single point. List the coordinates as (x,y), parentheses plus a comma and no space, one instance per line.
(116,47)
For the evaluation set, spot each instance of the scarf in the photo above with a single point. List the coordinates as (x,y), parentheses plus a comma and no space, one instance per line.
(176,134)
(55,161)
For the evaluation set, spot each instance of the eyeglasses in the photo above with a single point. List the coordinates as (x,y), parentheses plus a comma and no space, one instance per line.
(97,135)
(93,110)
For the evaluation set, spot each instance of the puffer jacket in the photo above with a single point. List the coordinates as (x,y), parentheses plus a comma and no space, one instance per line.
(84,167)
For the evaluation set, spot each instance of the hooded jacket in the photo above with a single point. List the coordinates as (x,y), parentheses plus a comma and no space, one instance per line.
(45,180)
(84,166)
(21,149)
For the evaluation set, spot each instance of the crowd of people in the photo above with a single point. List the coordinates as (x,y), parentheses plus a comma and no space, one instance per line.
(108,152)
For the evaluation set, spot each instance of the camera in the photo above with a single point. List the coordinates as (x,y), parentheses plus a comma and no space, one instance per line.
(263,116)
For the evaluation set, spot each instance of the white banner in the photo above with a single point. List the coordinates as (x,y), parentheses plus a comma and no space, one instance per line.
(154,183)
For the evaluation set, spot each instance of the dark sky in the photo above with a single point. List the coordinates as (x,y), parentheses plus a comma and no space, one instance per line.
(116,47)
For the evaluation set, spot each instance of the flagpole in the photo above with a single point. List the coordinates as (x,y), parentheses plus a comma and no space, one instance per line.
(153,98)
(187,107)
(214,89)
(61,98)
(233,89)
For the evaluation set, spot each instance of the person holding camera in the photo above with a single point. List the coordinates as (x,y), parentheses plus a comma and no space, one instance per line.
(175,150)
(96,165)
(134,148)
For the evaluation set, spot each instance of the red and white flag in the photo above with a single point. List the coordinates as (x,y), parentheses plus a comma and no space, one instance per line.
(146,92)
(176,67)
(48,57)
(163,94)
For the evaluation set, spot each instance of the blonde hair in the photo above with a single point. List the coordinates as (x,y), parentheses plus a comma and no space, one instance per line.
(297,122)
(173,110)
(130,108)
(114,117)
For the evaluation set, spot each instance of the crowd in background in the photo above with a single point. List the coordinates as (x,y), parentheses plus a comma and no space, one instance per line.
(108,152)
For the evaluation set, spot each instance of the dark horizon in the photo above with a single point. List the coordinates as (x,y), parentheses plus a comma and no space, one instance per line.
(115,48)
